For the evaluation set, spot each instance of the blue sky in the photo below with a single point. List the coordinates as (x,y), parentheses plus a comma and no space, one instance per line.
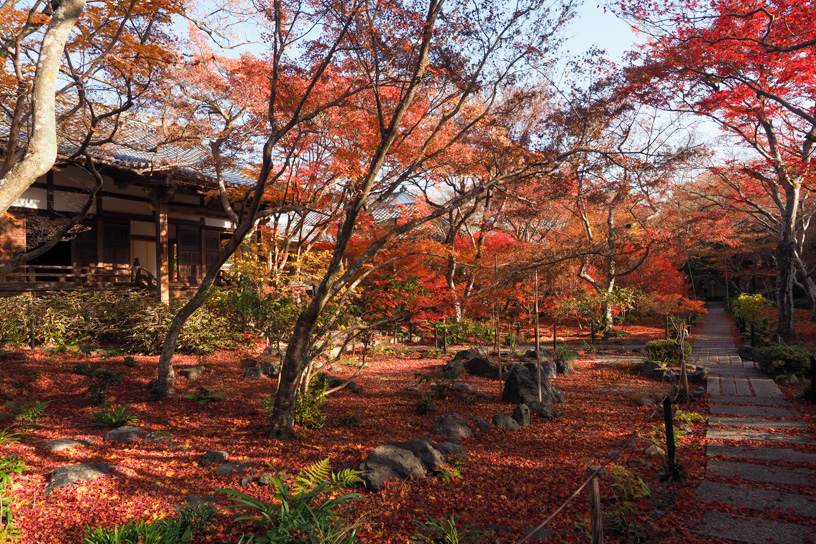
(595,27)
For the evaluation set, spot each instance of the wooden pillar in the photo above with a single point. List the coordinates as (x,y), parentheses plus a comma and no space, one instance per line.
(162,250)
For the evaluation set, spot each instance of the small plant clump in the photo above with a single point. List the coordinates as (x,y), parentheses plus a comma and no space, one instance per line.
(181,529)
(204,395)
(425,405)
(450,530)
(114,416)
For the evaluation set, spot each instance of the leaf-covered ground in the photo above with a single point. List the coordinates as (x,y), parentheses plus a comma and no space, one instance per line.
(511,480)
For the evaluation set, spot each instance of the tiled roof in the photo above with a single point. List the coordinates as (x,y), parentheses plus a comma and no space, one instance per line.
(138,146)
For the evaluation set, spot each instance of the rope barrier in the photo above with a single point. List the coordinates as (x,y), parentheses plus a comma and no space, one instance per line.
(596,472)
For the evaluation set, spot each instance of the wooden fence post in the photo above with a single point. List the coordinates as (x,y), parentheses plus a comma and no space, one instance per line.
(753,338)
(667,327)
(671,457)
(436,335)
(32,339)
(555,333)
(595,514)
(445,340)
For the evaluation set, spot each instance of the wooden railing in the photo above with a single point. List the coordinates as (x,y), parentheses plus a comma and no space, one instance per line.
(55,277)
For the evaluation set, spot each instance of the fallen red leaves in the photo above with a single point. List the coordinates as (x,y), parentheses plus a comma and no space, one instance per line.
(511,479)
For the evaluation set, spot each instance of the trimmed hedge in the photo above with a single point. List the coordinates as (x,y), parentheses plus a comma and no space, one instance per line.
(784,361)
(133,321)
(667,350)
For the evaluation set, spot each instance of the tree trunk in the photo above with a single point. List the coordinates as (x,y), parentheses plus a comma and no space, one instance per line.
(785,271)
(41,151)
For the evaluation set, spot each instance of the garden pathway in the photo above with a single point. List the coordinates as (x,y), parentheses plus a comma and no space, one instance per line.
(755,443)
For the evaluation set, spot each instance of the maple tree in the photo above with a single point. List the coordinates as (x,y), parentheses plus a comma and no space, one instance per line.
(70,73)
(749,68)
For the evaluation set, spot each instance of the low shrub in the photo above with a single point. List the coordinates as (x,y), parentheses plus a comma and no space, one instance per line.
(134,321)
(784,361)
(668,351)
(350,420)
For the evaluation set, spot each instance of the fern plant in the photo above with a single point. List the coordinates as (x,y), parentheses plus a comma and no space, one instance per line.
(306,511)
(114,416)
(28,414)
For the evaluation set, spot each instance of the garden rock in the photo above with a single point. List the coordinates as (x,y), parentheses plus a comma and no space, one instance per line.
(389,462)
(470,353)
(699,376)
(460,387)
(427,451)
(483,367)
(61,444)
(265,478)
(214,458)
(531,354)
(449,448)
(545,411)
(270,352)
(564,367)
(262,369)
(246,481)
(452,426)
(481,424)
(194,501)
(233,466)
(503,421)
(158,436)
(454,367)
(655,451)
(522,415)
(192,373)
(124,435)
(336,381)
(748,353)
(548,369)
(71,474)
(539,534)
(521,388)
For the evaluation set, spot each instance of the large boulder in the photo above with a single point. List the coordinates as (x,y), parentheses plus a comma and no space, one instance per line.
(522,388)
(454,367)
(484,367)
(336,381)
(453,426)
(546,411)
(389,462)
(214,457)
(71,474)
(61,444)
(262,369)
(531,354)
(427,451)
(503,421)
(124,434)
(548,369)
(470,353)
(698,376)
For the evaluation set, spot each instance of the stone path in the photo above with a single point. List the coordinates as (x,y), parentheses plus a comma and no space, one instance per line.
(747,406)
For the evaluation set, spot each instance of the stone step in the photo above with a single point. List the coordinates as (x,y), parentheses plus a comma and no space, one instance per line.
(761,454)
(735,410)
(761,473)
(765,387)
(755,423)
(756,436)
(753,530)
(757,499)
(753,401)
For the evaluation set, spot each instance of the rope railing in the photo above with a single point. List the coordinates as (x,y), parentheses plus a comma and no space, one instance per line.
(597,471)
